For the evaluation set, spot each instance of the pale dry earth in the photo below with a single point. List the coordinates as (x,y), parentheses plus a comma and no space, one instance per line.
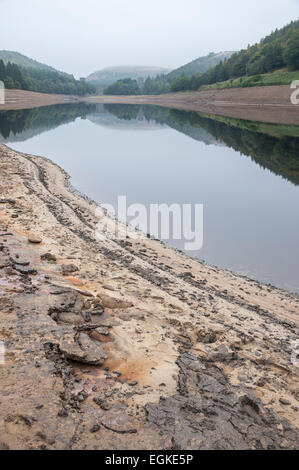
(22,99)
(270,104)
(127,344)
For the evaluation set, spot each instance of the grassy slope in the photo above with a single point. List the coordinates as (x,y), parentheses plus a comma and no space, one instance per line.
(279,77)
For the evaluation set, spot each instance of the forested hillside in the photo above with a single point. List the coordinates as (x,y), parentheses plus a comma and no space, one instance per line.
(127,86)
(109,75)
(40,80)
(23,61)
(157,83)
(200,65)
(277,51)
(162,83)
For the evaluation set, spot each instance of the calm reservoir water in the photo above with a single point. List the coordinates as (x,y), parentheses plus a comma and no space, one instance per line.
(246,180)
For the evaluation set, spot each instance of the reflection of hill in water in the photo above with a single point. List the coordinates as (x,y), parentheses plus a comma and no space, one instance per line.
(276,152)
(162,117)
(21,125)
(130,119)
(270,147)
(196,133)
(24,135)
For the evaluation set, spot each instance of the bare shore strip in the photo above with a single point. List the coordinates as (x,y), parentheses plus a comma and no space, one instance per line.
(270,104)
(129,344)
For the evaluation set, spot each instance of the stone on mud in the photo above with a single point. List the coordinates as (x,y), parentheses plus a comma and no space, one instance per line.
(70,317)
(25,269)
(48,257)
(69,269)
(34,239)
(99,332)
(82,349)
(112,302)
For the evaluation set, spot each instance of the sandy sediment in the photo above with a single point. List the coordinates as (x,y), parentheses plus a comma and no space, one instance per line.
(22,99)
(127,344)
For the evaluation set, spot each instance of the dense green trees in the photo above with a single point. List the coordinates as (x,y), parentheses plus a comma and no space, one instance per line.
(126,86)
(44,81)
(156,86)
(162,83)
(291,53)
(279,49)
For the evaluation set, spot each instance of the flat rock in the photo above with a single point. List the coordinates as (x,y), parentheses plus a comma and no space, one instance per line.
(70,318)
(109,287)
(25,269)
(99,332)
(84,349)
(283,401)
(69,269)
(34,239)
(112,302)
(8,201)
(103,330)
(48,257)
(18,261)
(97,311)
(4,261)
(119,423)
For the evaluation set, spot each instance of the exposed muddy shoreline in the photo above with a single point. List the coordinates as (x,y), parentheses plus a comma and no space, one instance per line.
(270,104)
(129,344)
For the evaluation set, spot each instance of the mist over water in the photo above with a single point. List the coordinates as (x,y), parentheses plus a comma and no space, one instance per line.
(246,180)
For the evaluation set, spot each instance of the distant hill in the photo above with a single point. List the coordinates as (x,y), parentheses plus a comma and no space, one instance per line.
(24,61)
(33,76)
(277,51)
(162,83)
(109,75)
(200,65)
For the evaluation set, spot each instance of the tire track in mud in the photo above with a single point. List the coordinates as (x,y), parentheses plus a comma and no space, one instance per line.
(210,409)
(161,277)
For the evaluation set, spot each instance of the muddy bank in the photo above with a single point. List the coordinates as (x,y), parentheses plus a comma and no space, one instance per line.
(270,104)
(128,344)
(21,99)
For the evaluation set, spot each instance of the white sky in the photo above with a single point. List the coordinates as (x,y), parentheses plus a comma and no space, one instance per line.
(82,36)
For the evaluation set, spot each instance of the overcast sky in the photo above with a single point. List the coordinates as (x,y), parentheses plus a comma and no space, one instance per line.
(82,36)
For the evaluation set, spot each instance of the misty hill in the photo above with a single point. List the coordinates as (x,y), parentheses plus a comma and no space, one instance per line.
(162,82)
(200,65)
(24,61)
(109,75)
